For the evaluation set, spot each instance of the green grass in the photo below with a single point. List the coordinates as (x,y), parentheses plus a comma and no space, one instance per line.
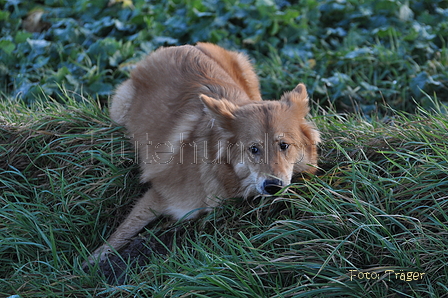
(377,72)
(379,204)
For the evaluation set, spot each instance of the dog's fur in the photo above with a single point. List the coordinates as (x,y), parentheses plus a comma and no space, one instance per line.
(203,134)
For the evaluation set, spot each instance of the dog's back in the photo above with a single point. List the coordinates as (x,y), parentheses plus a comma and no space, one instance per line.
(155,73)
(236,65)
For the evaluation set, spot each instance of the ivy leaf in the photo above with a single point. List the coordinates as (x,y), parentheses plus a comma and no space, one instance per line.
(7,46)
(421,81)
(4,15)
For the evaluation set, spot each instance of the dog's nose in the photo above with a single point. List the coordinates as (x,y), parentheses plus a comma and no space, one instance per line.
(272,186)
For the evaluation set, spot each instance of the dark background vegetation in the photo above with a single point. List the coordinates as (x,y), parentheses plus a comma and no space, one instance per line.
(354,54)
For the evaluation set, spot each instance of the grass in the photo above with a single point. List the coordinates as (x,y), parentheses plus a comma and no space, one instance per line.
(379,204)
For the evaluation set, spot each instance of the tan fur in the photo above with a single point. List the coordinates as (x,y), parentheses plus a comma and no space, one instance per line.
(203,134)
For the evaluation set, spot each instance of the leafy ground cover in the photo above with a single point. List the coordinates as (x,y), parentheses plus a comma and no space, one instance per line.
(367,52)
(373,222)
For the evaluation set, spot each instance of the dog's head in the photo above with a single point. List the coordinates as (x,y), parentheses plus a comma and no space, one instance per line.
(267,140)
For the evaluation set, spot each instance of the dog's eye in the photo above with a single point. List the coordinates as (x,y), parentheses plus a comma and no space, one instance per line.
(283,146)
(254,149)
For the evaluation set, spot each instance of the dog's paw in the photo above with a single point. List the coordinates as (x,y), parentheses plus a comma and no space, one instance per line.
(99,255)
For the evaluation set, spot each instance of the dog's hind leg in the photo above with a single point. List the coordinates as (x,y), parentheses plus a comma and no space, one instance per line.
(148,208)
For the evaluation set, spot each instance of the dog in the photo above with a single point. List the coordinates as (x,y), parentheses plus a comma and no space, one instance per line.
(203,134)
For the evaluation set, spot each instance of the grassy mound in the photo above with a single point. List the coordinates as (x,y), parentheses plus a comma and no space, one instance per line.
(372,224)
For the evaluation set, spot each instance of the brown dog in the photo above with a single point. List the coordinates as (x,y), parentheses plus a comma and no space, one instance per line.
(203,134)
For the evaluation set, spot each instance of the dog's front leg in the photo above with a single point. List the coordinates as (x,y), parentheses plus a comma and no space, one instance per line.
(146,210)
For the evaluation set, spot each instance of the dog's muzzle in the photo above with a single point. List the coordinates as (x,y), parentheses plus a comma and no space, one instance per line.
(272,186)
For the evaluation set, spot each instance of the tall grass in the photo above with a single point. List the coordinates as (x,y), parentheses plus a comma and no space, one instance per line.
(67,178)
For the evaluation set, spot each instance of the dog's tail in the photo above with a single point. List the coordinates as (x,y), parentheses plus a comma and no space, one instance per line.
(237,65)
(121,102)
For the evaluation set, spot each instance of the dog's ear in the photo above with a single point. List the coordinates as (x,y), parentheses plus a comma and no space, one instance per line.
(221,109)
(297,99)
(301,89)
